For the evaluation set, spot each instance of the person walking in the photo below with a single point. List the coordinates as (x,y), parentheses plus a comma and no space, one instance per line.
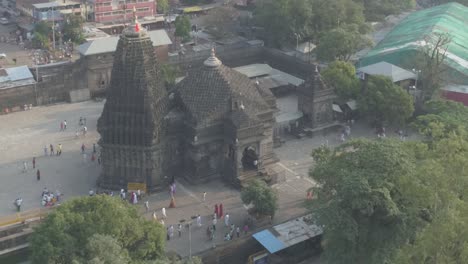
(155,216)
(171,231)
(163,211)
(59,150)
(204,196)
(83,148)
(18,203)
(25,166)
(93,157)
(147,206)
(226,220)
(85,129)
(38,175)
(179,229)
(215,221)
(199,224)
(238,232)
(94,148)
(246,229)
(51,149)
(61,126)
(34,162)
(65,125)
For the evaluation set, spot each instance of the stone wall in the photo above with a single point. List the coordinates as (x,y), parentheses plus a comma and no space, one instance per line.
(94,72)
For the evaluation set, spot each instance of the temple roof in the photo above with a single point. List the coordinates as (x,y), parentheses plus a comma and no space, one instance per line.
(313,82)
(209,92)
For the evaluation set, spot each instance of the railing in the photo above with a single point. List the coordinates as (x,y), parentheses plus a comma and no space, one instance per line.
(30,215)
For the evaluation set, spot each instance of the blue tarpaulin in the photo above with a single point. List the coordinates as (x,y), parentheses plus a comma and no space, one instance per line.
(269,241)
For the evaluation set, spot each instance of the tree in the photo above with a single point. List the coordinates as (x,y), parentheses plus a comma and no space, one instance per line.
(368,200)
(63,235)
(182,25)
(376,10)
(73,29)
(261,196)
(273,17)
(385,102)
(221,21)
(342,77)
(341,44)
(163,6)
(105,249)
(169,74)
(40,41)
(42,28)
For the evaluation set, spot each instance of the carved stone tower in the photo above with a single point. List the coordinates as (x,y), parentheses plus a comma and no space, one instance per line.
(315,100)
(131,122)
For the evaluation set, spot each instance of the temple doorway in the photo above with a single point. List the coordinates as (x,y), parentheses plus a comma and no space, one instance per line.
(250,158)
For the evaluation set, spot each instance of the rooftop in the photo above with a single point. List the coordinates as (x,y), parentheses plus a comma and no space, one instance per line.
(288,234)
(17,76)
(55,4)
(421,27)
(395,73)
(109,44)
(264,70)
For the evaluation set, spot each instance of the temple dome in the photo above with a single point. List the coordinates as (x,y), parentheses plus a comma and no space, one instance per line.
(213,91)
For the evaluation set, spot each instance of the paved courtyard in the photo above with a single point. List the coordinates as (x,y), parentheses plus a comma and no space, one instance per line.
(23,136)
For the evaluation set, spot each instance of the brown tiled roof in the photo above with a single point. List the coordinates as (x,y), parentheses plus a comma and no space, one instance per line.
(207,93)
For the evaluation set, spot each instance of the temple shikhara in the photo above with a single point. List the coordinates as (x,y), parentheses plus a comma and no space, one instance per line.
(216,123)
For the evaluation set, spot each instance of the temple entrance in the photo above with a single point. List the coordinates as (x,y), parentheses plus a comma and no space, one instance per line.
(250,158)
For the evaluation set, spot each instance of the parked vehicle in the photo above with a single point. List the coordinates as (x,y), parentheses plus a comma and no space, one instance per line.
(4,21)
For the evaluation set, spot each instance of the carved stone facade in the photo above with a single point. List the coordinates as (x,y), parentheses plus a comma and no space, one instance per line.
(216,123)
(131,122)
(316,100)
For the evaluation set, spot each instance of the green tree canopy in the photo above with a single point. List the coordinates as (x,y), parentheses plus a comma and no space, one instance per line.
(368,200)
(261,196)
(342,77)
(376,10)
(385,102)
(73,29)
(43,28)
(182,25)
(64,234)
(290,21)
(163,6)
(341,44)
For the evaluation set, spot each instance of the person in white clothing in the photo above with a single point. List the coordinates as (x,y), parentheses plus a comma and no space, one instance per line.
(163,211)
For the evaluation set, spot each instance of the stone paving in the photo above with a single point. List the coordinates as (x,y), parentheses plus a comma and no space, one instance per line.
(23,135)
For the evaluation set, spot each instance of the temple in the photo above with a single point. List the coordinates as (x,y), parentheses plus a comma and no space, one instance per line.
(215,124)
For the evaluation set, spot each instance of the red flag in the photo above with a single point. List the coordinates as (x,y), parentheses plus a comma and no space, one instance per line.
(137,27)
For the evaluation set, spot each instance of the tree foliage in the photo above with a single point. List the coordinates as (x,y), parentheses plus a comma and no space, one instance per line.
(221,21)
(342,77)
(63,236)
(367,201)
(376,10)
(385,102)
(341,44)
(182,27)
(73,29)
(261,196)
(163,6)
(290,21)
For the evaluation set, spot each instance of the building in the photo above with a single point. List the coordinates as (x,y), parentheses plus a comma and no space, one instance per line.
(213,124)
(418,31)
(316,102)
(98,57)
(55,11)
(15,84)
(26,6)
(107,11)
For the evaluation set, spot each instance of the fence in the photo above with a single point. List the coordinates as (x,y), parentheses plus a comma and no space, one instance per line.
(26,216)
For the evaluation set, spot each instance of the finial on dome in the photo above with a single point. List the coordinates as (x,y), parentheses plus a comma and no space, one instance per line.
(212,61)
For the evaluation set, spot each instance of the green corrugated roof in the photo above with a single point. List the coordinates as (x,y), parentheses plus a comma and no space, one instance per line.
(406,38)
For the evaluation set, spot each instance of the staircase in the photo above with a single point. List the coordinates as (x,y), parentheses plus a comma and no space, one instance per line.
(14,237)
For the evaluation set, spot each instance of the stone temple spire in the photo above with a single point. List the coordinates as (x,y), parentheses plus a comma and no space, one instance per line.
(131,122)
(212,61)
(134,29)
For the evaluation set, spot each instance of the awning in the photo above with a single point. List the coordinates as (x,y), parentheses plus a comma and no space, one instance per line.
(352,104)
(337,108)
(269,241)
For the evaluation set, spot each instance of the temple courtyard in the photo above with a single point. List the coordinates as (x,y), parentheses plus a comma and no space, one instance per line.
(23,135)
